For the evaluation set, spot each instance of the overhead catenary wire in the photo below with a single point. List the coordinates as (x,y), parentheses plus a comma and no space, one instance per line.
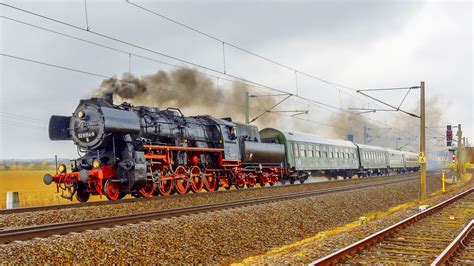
(10,123)
(256,85)
(296,71)
(171,91)
(247,51)
(237,47)
(254,54)
(247,82)
(132,54)
(34,119)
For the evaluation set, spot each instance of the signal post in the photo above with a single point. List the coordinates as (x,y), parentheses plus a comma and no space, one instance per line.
(460,157)
(422,155)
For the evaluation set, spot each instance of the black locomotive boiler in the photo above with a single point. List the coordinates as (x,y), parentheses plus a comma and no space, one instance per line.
(145,151)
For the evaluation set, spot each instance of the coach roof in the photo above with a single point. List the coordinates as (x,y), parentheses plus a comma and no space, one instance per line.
(310,138)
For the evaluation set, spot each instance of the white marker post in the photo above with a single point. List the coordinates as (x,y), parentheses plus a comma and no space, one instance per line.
(13,200)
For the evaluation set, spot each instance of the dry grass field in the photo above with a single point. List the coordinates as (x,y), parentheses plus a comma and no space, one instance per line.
(32,190)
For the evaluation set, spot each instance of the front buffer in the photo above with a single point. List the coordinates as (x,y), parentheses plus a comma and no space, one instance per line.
(83,183)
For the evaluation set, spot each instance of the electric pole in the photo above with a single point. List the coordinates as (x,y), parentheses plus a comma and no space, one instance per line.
(460,164)
(247,108)
(422,155)
(366,134)
(422,116)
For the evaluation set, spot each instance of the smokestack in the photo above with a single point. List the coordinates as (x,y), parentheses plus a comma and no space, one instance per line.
(109,97)
(350,137)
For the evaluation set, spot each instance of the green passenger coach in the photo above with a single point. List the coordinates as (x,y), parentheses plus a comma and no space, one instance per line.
(308,154)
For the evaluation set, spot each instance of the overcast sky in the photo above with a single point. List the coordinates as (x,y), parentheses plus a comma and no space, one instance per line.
(360,44)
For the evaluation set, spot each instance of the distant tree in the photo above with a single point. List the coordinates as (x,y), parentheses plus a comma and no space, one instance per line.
(44,165)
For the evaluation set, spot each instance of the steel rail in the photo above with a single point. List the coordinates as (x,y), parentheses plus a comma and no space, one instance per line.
(454,246)
(132,200)
(340,255)
(26,233)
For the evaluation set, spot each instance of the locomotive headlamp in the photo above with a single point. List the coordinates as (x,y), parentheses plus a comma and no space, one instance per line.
(62,168)
(80,114)
(95,164)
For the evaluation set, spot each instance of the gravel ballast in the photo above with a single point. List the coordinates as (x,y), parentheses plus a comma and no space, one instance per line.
(217,237)
(333,240)
(162,203)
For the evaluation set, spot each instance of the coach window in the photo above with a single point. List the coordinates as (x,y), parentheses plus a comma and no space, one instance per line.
(330,154)
(318,153)
(310,151)
(302,150)
(295,149)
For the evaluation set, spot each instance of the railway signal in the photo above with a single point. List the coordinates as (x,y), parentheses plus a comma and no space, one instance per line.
(449,135)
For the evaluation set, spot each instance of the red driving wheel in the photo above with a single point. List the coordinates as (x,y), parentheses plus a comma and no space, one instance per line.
(111,190)
(182,180)
(148,189)
(196,179)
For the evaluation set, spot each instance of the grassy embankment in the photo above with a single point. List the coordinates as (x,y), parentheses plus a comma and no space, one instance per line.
(32,190)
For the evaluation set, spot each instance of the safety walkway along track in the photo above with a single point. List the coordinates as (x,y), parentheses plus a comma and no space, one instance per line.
(419,239)
(121,201)
(26,233)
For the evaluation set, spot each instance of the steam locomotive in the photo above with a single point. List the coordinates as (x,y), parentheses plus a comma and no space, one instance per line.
(145,151)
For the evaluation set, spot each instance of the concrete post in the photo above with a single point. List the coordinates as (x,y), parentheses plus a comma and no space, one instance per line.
(13,200)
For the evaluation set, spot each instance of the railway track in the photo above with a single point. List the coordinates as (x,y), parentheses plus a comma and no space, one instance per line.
(461,249)
(26,233)
(419,239)
(101,203)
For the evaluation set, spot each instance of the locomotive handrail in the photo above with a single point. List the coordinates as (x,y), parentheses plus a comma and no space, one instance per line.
(175,109)
(179,148)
